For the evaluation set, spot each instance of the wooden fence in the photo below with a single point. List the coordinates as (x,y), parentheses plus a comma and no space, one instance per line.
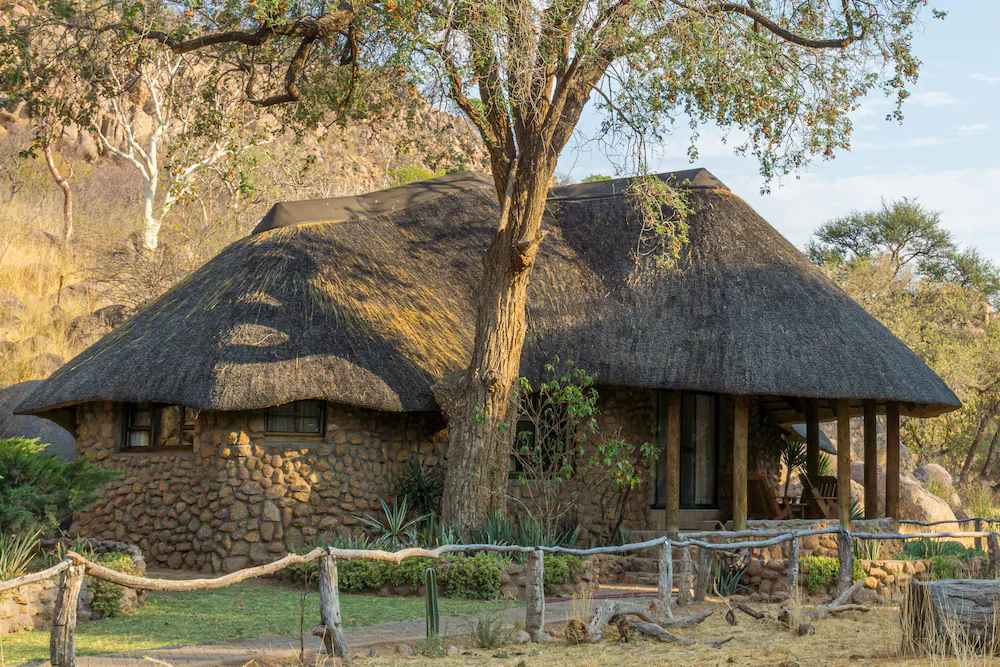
(72,570)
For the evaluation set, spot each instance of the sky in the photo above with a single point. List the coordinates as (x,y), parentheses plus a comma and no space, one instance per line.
(946,153)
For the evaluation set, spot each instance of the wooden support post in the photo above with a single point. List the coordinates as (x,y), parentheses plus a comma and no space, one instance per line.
(812,438)
(845,551)
(892,460)
(673,463)
(793,568)
(844,463)
(329,609)
(62,646)
(871,460)
(994,555)
(665,585)
(534,597)
(741,435)
(978,524)
(684,577)
(705,560)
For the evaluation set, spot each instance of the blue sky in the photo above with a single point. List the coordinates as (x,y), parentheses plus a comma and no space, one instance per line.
(946,152)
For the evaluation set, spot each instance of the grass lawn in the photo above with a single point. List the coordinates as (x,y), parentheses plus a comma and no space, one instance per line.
(244,610)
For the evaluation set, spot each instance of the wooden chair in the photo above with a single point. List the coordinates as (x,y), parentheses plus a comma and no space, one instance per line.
(763,501)
(820,496)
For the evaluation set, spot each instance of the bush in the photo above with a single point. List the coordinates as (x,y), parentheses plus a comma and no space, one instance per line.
(109,598)
(560,569)
(421,486)
(475,578)
(362,575)
(924,549)
(947,567)
(39,490)
(823,571)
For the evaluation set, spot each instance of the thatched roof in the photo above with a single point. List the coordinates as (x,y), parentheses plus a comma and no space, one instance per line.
(368,301)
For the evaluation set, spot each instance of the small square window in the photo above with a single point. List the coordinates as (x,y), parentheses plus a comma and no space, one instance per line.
(300,417)
(154,426)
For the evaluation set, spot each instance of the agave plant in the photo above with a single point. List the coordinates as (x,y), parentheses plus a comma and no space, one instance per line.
(16,552)
(395,531)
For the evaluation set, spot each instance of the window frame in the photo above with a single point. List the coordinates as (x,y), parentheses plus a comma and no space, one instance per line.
(155,428)
(319,435)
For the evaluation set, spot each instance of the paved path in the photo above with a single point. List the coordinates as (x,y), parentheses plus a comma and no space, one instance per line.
(286,647)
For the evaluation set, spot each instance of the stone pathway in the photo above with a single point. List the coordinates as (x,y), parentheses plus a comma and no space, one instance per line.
(241,651)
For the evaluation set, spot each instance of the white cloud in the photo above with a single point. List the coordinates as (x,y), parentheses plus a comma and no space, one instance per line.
(921,142)
(983,77)
(974,128)
(934,99)
(967,198)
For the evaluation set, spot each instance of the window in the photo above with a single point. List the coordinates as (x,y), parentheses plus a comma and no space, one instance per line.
(300,417)
(151,426)
(533,458)
(699,443)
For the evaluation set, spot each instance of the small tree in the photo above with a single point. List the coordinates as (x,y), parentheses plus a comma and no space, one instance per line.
(560,453)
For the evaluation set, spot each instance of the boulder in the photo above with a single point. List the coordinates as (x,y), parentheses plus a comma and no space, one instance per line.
(87,329)
(113,315)
(916,502)
(46,364)
(60,441)
(936,477)
(88,291)
(11,304)
(10,326)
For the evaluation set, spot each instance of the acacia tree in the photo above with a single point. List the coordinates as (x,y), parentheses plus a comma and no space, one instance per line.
(784,73)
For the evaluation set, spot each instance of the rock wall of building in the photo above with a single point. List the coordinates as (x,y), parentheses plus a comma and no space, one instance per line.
(241,496)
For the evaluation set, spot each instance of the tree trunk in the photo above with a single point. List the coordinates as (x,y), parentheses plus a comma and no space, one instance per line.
(62,645)
(989,452)
(954,615)
(478,401)
(980,432)
(63,183)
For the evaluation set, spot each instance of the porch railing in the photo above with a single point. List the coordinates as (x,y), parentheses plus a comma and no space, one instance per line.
(72,570)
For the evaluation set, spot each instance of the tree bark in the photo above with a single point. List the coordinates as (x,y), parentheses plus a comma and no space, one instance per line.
(478,402)
(989,452)
(950,615)
(980,433)
(62,645)
(534,597)
(329,610)
(63,183)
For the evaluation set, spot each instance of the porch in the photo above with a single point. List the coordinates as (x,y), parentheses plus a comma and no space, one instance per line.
(713,471)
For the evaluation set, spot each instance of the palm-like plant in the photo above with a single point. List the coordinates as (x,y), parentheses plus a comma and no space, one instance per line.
(396,531)
(793,456)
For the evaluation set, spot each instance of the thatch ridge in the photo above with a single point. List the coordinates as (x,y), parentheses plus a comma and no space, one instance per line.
(372,309)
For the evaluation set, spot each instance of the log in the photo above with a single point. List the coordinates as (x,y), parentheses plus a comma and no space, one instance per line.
(62,644)
(534,597)
(34,577)
(665,583)
(949,616)
(329,610)
(704,578)
(845,551)
(684,578)
(591,633)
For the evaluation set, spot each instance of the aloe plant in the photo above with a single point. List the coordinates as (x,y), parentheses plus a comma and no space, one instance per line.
(395,531)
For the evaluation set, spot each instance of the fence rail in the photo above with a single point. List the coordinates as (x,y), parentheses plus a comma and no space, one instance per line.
(72,569)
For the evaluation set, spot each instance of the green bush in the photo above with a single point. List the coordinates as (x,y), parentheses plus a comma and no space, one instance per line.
(823,571)
(362,575)
(108,597)
(924,549)
(39,490)
(475,578)
(560,569)
(947,567)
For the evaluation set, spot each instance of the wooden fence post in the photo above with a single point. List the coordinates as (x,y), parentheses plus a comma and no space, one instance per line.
(329,609)
(793,568)
(684,578)
(665,585)
(994,546)
(978,527)
(62,647)
(845,550)
(534,597)
(705,559)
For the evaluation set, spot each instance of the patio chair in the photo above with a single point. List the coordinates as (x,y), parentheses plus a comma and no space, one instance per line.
(820,496)
(763,500)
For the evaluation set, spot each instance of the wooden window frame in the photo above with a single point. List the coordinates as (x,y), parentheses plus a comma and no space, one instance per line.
(310,436)
(156,414)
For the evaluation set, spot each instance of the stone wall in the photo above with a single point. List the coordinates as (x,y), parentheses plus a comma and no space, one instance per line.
(241,496)
(819,545)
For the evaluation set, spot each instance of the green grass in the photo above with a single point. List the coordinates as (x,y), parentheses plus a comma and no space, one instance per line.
(245,610)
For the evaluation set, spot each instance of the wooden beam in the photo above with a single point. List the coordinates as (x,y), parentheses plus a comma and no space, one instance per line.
(329,610)
(844,462)
(62,644)
(871,460)
(741,435)
(673,463)
(892,460)
(534,597)
(812,437)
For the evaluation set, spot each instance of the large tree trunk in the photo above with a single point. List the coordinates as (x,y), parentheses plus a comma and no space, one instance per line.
(478,401)
(951,616)
(63,183)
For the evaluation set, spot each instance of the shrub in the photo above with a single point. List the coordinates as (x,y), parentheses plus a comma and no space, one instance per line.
(947,567)
(422,486)
(16,553)
(109,598)
(929,549)
(823,571)
(362,575)
(475,578)
(39,490)
(489,631)
(559,569)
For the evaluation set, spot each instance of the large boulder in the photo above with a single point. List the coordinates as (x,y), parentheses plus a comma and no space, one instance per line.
(935,478)
(916,502)
(60,441)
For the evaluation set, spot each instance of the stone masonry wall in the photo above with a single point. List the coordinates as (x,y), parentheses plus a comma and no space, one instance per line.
(241,496)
